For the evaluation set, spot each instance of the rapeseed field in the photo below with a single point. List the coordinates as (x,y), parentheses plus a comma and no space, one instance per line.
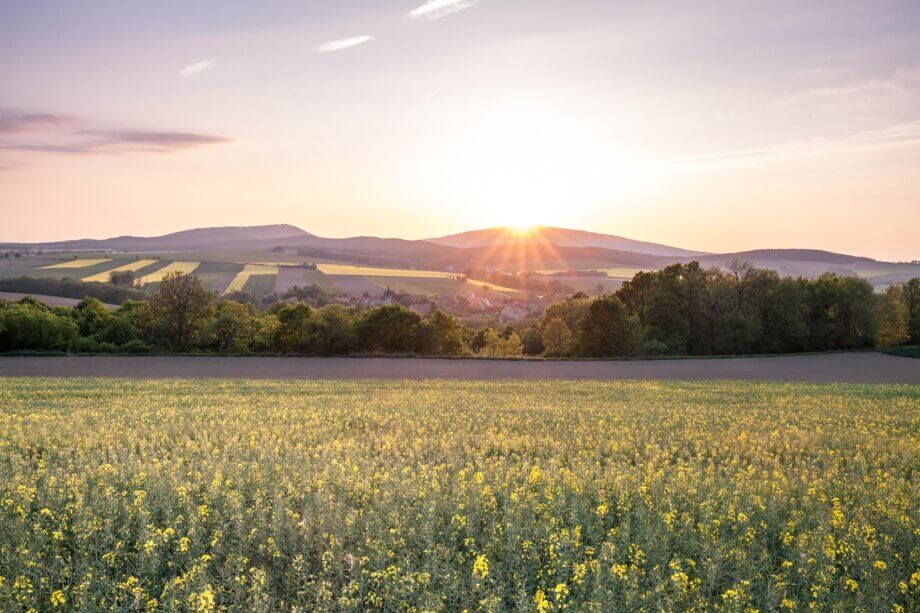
(423,496)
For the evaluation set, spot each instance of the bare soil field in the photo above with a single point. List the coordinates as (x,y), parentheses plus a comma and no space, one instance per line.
(49,300)
(822,368)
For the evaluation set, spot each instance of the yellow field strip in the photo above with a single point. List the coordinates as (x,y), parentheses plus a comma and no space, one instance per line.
(611,272)
(273,264)
(492,286)
(367,271)
(624,272)
(76,263)
(103,277)
(239,281)
(157,276)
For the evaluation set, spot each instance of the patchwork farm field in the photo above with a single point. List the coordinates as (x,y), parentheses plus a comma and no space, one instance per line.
(265,272)
(120,494)
(402,275)
(242,278)
(255,273)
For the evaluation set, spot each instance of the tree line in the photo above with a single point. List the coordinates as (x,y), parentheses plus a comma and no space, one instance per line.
(685,309)
(120,288)
(680,310)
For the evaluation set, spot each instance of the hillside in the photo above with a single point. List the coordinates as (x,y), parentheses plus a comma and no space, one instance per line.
(540,249)
(561,237)
(788,255)
(194,239)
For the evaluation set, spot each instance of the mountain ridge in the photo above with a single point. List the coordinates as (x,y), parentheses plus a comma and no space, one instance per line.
(562,237)
(544,247)
(193,237)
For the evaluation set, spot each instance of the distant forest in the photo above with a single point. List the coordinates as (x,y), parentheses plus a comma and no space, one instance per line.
(681,310)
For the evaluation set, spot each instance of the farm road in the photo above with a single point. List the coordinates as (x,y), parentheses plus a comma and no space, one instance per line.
(823,368)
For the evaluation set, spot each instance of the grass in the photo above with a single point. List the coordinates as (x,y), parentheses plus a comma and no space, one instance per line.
(912,351)
(588,284)
(77,263)
(370,271)
(621,273)
(491,286)
(288,277)
(267,495)
(100,266)
(131,266)
(259,284)
(215,268)
(420,286)
(234,256)
(402,274)
(243,277)
(158,275)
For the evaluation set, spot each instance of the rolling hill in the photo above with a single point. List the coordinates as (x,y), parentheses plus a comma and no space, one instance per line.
(560,237)
(540,249)
(195,239)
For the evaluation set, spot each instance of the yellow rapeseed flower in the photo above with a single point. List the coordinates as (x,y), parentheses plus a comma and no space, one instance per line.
(481,567)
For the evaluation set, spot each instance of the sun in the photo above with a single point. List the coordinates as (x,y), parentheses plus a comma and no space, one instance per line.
(521,163)
(521,230)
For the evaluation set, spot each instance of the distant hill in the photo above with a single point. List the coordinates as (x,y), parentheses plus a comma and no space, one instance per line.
(561,237)
(186,240)
(788,255)
(424,254)
(542,248)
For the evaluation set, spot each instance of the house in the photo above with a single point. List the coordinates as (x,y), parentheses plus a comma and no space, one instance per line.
(512,312)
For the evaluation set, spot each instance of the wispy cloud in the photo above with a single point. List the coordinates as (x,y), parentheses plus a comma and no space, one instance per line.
(900,84)
(197,68)
(45,148)
(117,141)
(435,9)
(161,141)
(897,135)
(343,43)
(14,121)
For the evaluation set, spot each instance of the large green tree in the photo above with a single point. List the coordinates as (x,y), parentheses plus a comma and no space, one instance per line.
(390,329)
(334,330)
(557,338)
(178,313)
(233,329)
(606,330)
(912,302)
(34,326)
(442,334)
(91,316)
(891,317)
(841,312)
(295,328)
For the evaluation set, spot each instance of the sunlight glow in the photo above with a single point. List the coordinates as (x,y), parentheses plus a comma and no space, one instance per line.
(522,162)
(521,230)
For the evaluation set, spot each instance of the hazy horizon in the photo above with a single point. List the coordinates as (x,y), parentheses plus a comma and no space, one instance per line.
(714,127)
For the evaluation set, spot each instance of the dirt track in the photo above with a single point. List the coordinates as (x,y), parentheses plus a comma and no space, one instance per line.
(826,368)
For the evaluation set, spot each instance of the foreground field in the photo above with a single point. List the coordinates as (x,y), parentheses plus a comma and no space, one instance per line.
(537,496)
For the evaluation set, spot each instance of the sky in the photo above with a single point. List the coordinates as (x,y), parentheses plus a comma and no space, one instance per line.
(716,126)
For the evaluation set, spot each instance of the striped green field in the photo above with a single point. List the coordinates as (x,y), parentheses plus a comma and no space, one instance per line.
(259,284)
(133,266)
(289,276)
(254,273)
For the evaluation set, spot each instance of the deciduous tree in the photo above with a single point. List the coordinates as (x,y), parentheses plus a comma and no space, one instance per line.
(178,312)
